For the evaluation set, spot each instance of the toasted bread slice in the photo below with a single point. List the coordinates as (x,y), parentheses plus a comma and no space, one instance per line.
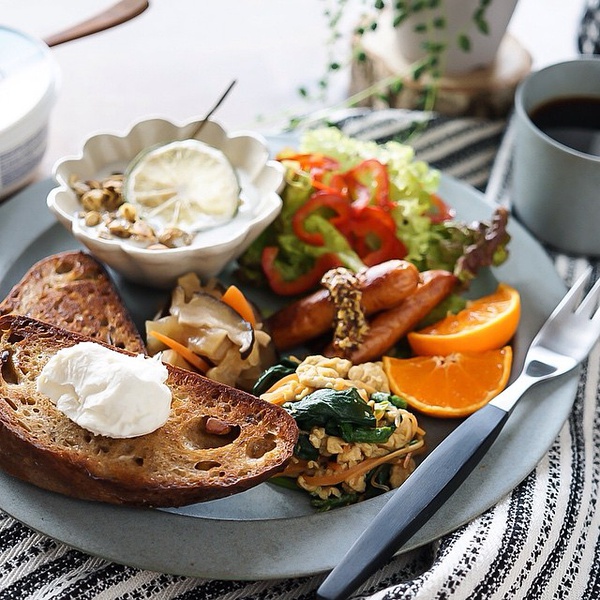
(184,461)
(73,290)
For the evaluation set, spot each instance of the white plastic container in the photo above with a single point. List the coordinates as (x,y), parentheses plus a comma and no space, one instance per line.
(29,79)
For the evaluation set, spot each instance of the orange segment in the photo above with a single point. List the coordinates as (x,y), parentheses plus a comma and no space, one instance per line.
(484,324)
(449,386)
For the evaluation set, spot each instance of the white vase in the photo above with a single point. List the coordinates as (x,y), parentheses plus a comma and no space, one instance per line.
(458,20)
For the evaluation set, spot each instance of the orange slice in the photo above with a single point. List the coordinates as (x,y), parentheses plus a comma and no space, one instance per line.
(449,386)
(484,324)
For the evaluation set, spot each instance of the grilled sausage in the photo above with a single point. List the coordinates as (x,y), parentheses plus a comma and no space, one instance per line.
(382,286)
(389,326)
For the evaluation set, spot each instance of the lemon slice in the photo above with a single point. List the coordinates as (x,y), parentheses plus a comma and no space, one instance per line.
(185,184)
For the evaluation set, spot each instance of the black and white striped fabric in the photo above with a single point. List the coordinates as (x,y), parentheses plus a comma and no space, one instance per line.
(588,36)
(540,542)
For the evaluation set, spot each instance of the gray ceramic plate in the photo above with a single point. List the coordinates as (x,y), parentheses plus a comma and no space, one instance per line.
(269,532)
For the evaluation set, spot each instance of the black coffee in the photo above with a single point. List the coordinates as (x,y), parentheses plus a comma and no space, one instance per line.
(574,122)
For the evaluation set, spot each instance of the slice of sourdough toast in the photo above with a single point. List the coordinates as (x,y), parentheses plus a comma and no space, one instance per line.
(72,290)
(187,460)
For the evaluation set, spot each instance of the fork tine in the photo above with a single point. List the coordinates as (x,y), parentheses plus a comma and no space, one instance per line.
(590,302)
(573,296)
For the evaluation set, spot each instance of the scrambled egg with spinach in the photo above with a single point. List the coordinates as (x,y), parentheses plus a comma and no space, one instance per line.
(357,439)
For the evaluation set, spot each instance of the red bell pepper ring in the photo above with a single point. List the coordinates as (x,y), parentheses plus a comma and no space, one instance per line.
(338,182)
(374,213)
(369,183)
(302,284)
(372,234)
(323,187)
(331,201)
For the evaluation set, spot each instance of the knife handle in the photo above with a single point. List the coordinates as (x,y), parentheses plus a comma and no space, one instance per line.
(415,501)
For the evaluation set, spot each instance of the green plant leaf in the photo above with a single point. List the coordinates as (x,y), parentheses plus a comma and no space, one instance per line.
(419,71)
(482,26)
(400,17)
(397,86)
(479,18)
(433,48)
(464,42)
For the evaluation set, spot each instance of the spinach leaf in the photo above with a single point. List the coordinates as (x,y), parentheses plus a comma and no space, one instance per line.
(397,401)
(304,449)
(330,409)
(285,482)
(273,374)
(375,435)
(326,504)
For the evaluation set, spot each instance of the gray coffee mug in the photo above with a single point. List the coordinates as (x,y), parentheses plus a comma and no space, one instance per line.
(556,189)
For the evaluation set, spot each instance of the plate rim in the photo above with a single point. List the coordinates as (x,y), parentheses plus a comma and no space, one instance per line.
(135,536)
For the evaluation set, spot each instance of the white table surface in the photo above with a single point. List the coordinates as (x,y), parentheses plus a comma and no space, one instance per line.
(177,57)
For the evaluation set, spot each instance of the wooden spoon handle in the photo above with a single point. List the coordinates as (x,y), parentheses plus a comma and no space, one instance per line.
(115,15)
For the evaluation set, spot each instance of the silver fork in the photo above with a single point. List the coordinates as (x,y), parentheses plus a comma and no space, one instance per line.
(564,341)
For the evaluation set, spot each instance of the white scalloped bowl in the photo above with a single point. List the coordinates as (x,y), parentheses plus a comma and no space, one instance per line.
(261,179)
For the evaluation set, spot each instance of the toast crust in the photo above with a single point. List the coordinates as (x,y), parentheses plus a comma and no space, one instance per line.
(180,463)
(73,290)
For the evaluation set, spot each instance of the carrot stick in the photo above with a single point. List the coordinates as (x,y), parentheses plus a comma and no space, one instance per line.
(234,298)
(294,468)
(184,352)
(356,470)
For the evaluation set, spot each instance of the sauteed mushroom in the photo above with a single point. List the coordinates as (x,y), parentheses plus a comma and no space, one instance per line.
(207,312)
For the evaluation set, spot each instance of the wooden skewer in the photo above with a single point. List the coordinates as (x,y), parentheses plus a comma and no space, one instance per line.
(212,110)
